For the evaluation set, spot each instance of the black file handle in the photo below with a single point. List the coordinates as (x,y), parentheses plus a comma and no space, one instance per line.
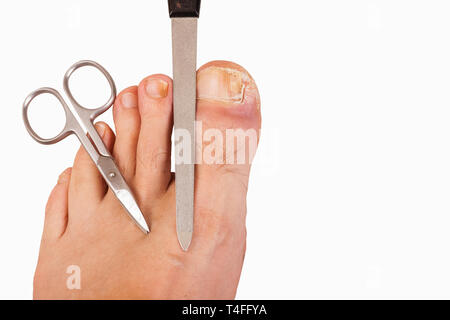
(184,8)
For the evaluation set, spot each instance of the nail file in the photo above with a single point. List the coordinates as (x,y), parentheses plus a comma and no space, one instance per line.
(184,15)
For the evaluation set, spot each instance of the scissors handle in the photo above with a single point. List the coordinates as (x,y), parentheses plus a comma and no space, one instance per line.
(72,122)
(65,131)
(93,113)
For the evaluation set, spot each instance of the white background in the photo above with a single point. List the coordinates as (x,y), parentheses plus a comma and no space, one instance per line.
(349,196)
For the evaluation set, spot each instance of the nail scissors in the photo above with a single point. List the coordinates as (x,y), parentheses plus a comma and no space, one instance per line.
(79,121)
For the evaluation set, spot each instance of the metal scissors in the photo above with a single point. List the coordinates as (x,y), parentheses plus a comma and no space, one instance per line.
(79,121)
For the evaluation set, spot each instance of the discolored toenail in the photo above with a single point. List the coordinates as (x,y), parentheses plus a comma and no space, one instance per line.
(129,100)
(156,88)
(221,84)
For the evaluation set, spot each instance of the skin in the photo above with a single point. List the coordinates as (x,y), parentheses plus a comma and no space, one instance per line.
(86,226)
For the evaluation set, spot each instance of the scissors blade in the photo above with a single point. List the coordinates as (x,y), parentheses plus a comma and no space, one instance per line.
(129,203)
(184,47)
(117,184)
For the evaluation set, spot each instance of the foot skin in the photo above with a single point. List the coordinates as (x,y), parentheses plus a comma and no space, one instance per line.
(90,249)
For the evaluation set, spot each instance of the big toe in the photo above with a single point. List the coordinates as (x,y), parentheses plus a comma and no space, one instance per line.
(229,120)
(228,111)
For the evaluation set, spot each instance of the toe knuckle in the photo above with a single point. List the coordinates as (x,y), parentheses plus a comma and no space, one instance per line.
(154,159)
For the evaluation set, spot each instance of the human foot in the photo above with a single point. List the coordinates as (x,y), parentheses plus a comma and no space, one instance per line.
(87,234)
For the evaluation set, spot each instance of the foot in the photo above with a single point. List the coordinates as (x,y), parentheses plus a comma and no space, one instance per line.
(91,249)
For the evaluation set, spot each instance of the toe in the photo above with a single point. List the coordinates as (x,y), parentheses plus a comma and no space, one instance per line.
(57,208)
(154,144)
(87,187)
(228,108)
(127,122)
(228,111)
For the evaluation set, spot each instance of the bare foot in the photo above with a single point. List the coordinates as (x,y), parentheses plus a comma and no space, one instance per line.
(86,227)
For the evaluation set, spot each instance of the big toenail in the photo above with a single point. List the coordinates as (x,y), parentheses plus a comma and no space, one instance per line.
(129,100)
(156,88)
(221,84)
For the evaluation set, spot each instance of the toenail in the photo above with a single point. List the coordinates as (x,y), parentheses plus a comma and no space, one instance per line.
(221,84)
(64,177)
(129,100)
(156,88)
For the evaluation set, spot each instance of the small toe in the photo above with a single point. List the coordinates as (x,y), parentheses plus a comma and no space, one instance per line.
(154,145)
(127,121)
(87,186)
(57,208)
